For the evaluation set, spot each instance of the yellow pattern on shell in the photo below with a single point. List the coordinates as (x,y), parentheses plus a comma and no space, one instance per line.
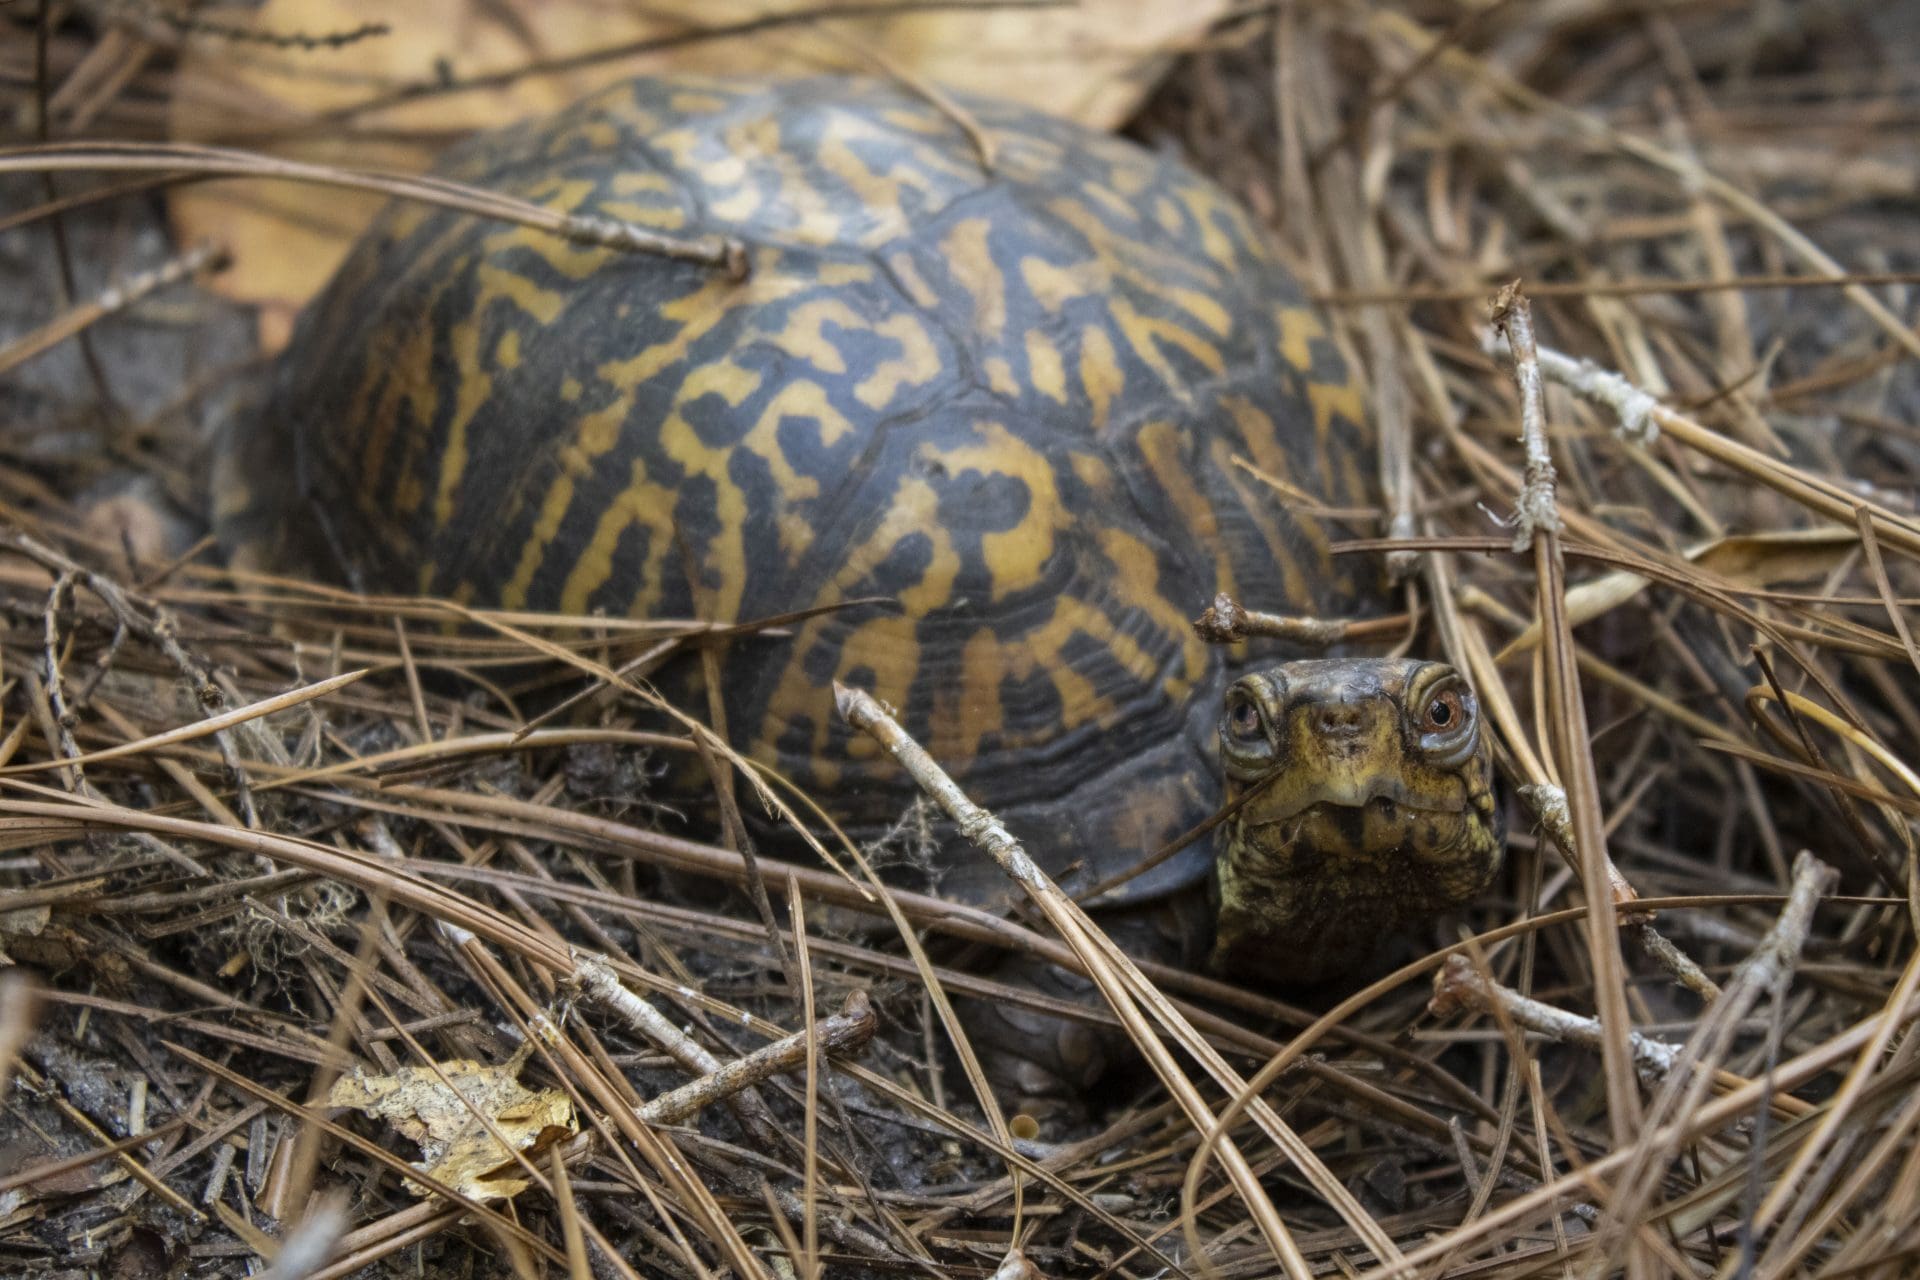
(1101,376)
(1015,557)
(641,503)
(1054,286)
(658,217)
(407,393)
(1146,335)
(727,555)
(1299,330)
(1208,209)
(544,305)
(970,259)
(1044,367)
(1160,446)
(1009,400)
(883,194)
(1261,433)
(888,641)
(473,387)
(804,334)
(917,364)
(911,281)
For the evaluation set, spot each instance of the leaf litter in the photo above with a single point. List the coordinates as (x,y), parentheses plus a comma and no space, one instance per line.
(1669,1044)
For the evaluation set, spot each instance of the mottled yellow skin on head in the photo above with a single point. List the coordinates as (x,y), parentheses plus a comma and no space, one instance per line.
(1362,798)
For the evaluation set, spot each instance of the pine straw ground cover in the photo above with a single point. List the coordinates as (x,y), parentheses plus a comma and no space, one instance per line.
(258,835)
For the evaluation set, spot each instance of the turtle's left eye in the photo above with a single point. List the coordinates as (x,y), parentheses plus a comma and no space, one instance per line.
(1444,712)
(1445,723)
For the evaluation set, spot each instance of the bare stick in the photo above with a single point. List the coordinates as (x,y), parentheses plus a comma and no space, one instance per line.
(61,717)
(723,252)
(167,28)
(1227,621)
(1668,955)
(1549,806)
(1536,510)
(597,978)
(840,1035)
(115,298)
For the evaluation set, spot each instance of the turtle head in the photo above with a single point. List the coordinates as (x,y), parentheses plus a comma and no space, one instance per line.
(1360,801)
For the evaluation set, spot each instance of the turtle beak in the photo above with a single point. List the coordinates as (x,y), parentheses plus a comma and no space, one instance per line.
(1340,745)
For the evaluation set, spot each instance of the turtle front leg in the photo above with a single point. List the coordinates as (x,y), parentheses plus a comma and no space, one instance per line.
(1046,1063)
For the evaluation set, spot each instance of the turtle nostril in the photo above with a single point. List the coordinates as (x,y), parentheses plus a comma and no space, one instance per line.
(1338,720)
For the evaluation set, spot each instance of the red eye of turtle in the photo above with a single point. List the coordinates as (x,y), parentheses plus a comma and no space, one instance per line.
(1444,712)
(1245,719)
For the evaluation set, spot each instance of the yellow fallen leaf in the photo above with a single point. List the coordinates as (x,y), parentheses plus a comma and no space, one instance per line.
(455,1147)
(1750,560)
(1092,61)
(1772,559)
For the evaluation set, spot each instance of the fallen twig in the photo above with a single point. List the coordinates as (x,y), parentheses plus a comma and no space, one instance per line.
(1459,985)
(843,1033)
(1227,621)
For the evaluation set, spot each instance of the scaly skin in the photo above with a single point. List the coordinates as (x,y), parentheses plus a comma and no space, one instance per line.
(1356,812)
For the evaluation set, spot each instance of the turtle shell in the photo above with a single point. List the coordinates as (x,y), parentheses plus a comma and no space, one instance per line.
(1006,388)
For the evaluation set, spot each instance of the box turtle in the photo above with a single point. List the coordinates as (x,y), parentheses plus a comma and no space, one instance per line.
(1014,377)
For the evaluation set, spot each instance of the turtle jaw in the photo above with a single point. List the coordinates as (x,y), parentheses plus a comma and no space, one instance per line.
(1305,897)
(1347,822)
(1356,781)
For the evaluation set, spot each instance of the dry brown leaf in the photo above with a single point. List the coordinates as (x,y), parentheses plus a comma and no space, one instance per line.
(1093,61)
(285,238)
(455,1147)
(29,936)
(26,922)
(22,1153)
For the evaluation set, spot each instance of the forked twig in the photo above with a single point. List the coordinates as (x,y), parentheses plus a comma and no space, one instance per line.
(1643,418)
(1549,805)
(839,1035)
(1571,743)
